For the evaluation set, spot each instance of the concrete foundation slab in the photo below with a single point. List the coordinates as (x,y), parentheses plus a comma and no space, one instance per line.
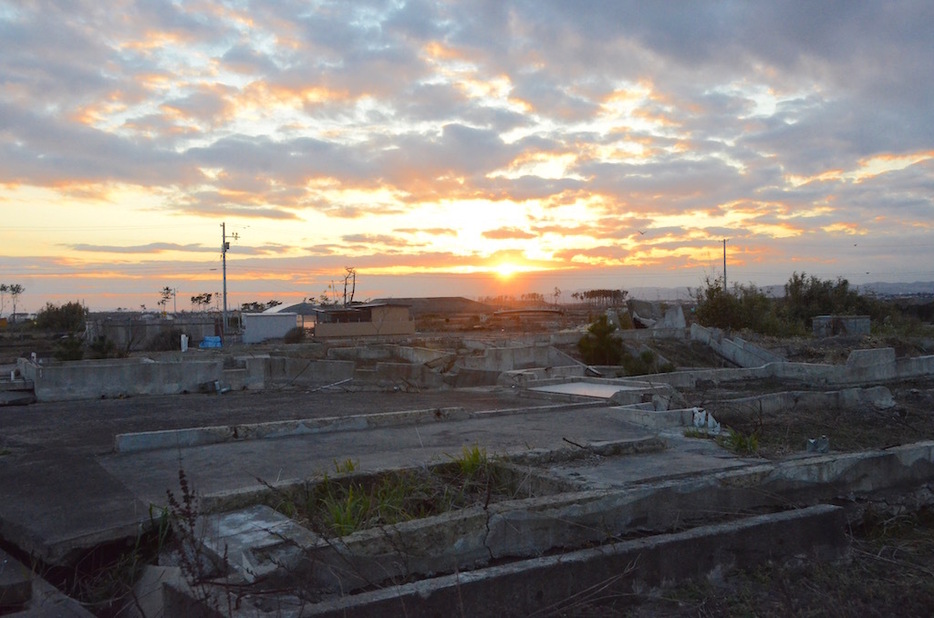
(526,587)
(586,389)
(26,479)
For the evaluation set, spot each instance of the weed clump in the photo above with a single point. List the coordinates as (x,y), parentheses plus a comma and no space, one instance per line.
(338,506)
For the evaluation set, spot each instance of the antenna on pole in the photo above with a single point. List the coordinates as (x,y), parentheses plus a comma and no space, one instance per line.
(225,247)
(724,265)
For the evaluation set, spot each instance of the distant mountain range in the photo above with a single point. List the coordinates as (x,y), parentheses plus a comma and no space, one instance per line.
(880,288)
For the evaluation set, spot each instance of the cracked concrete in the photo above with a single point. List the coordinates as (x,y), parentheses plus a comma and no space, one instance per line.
(613,450)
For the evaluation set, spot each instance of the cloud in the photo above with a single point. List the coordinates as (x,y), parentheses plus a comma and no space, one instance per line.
(156,247)
(597,122)
(508,233)
(432,231)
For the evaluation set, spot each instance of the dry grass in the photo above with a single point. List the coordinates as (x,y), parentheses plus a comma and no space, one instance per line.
(890,573)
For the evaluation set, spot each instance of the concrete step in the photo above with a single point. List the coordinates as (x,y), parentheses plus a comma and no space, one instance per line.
(18,384)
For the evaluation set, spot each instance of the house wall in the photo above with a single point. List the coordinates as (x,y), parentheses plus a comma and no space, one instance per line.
(134,334)
(385,321)
(258,327)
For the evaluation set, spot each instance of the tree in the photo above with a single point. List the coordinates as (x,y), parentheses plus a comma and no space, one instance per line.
(202,300)
(15,290)
(257,307)
(604,297)
(69,317)
(4,288)
(806,297)
(599,346)
(164,295)
(557,295)
(351,275)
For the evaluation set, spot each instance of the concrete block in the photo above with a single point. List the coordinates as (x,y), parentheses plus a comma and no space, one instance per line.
(149,591)
(15,581)
(873,365)
(257,542)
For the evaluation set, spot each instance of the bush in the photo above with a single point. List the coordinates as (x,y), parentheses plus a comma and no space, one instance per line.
(67,318)
(102,347)
(70,348)
(295,335)
(806,297)
(599,346)
(645,363)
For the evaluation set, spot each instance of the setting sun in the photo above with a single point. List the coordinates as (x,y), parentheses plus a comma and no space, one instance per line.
(506,270)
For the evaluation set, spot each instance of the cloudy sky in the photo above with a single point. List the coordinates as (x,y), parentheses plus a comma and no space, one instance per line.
(460,148)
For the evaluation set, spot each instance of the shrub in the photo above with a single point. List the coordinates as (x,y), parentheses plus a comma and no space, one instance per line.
(70,348)
(66,318)
(295,335)
(102,347)
(599,346)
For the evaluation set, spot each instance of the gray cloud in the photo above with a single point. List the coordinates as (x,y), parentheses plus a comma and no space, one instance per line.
(264,116)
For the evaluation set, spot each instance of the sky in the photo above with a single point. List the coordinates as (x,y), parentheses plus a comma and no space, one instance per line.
(459,148)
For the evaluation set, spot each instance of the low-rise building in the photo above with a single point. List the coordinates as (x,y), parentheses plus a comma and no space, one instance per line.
(364,320)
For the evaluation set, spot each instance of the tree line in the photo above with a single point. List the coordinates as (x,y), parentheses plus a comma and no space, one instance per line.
(806,296)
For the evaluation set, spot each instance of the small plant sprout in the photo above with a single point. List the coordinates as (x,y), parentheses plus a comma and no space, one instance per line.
(347,466)
(472,461)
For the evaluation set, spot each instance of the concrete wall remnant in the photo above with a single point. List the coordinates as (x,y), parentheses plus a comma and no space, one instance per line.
(132,333)
(735,350)
(674,318)
(365,320)
(63,381)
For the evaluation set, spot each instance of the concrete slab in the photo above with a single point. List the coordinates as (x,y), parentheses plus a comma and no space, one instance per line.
(39,512)
(586,389)
(684,457)
(249,465)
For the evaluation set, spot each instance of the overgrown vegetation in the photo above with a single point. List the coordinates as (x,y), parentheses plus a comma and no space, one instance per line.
(599,346)
(102,347)
(888,573)
(644,363)
(103,579)
(748,307)
(343,505)
(294,335)
(69,348)
(67,318)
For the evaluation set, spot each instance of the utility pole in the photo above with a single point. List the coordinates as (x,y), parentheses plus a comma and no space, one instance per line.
(724,265)
(225,246)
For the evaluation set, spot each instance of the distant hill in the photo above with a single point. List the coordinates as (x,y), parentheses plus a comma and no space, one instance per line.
(899,289)
(880,287)
(439,305)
